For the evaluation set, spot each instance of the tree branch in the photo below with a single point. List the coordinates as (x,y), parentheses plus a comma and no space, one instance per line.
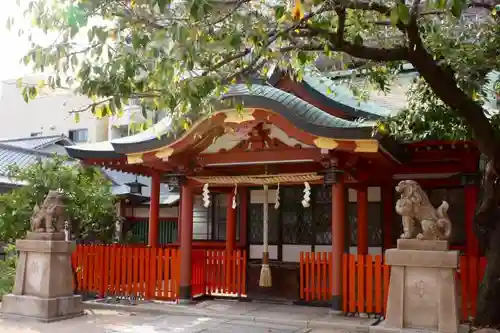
(360,51)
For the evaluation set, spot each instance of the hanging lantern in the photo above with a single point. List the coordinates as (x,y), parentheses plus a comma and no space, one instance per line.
(307,195)
(277,200)
(206,196)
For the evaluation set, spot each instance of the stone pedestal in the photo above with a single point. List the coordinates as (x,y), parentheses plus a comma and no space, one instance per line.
(43,286)
(422,289)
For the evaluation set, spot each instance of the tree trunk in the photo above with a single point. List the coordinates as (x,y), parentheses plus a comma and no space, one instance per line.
(488,307)
(488,232)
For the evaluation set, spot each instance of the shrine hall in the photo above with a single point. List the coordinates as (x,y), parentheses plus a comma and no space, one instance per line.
(297,171)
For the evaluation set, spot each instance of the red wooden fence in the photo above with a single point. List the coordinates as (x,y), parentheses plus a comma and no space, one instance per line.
(153,273)
(225,276)
(471,273)
(315,276)
(365,283)
(137,272)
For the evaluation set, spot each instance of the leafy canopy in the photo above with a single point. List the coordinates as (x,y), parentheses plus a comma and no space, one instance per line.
(90,203)
(177,55)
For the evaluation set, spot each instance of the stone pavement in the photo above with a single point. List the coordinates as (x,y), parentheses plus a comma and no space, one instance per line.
(257,312)
(112,321)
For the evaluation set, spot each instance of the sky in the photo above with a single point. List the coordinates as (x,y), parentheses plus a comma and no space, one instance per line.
(14,47)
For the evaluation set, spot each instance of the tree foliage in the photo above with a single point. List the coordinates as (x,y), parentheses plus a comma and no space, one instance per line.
(90,203)
(428,118)
(177,55)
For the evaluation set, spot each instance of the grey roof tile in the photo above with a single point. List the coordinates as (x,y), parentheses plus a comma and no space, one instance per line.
(22,157)
(36,142)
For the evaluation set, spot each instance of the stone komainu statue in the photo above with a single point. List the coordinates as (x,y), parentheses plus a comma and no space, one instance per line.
(414,206)
(51,215)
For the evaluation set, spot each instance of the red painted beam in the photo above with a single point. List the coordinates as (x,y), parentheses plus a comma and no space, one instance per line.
(312,154)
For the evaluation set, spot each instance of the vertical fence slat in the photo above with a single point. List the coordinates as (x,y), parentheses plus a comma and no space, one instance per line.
(361,283)
(307,284)
(473,283)
(142,267)
(244,272)
(329,274)
(130,269)
(345,281)
(167,278)
(379,299)
(369,284)
(324,286)
(352,284)
(240,284)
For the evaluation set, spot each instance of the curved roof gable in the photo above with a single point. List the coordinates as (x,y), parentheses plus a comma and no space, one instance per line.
(297,111)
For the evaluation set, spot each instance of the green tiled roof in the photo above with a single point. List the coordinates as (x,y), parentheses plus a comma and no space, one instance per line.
(343,97)
(296,106)
(299,112)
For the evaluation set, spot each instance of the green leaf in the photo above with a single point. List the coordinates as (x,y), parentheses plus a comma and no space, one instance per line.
(77,117)
(162,4)
(279,11)
(394,16)
(403,13)
(457,7)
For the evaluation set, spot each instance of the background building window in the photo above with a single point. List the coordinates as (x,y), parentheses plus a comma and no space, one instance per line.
(209,223)
(79,135)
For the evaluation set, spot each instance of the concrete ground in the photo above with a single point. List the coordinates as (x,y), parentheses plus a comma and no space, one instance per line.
(206,317)
(112,321)
(296,315)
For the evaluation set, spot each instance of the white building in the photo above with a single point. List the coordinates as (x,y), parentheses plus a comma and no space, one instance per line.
(49,114)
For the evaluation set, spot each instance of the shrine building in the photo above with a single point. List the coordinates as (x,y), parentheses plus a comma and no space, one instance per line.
(297,171)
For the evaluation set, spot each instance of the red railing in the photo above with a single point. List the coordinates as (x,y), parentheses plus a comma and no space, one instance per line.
(136,272)
(365,283)
(315,276)
(225,276)
(471,273)
(154,273)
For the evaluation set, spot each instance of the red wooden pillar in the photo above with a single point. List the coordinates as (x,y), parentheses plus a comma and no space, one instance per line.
(230,235)
(387,214)
(362,201)
(154,209)
(338,235)
(186,243)
(471,191)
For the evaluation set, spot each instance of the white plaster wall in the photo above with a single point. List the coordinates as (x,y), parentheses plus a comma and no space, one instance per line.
(371,250)
(291,253)
(48,113)
(374,194)
(256,252)
(144,212)
(257,196)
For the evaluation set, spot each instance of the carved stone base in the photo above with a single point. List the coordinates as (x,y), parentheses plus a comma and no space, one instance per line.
(43,289)
(42,309)
(422,288)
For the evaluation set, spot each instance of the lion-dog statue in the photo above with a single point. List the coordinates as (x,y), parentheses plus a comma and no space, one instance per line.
(51,215)
(414,207)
